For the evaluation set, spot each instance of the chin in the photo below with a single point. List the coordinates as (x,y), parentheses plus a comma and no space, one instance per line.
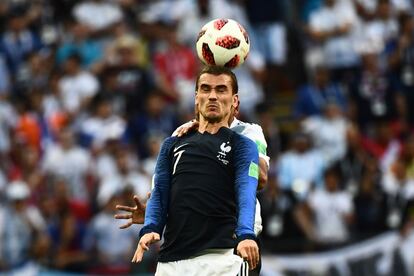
(213,118)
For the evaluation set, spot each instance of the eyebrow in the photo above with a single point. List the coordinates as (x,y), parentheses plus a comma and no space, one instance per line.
(220,86)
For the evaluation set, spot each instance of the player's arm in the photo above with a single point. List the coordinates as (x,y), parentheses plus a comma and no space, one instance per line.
(255,133)
(247,174)
(263,171)
(157,205)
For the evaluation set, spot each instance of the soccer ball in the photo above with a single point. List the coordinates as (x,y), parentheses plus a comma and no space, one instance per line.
(223,42)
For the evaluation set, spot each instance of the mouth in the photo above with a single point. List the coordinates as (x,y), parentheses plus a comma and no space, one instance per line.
(212,106)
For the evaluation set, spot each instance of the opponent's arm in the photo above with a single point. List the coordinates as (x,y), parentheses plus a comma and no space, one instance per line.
(255,133)
(263,170)
(135,213)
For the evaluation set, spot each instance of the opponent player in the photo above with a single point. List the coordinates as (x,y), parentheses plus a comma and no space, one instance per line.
(205,190)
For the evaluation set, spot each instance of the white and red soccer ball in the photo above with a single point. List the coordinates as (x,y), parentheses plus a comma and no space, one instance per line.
(223,42)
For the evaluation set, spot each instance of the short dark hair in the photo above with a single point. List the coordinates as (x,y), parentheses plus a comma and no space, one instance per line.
(219,70)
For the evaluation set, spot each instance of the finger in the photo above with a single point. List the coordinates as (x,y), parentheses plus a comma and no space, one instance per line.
(128,224)
(137,201)
(243,254)
(257,255)
(180,132)
(195,125)
(254,256)
(148,195)
(139,253)
(156,237)
(124,208)
(145,247)
(250,260)
(123,216)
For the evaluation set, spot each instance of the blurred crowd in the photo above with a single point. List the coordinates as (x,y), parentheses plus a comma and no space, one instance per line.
(90,88)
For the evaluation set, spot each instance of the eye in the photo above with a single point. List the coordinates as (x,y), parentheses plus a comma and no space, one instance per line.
(205,88)
(221,89)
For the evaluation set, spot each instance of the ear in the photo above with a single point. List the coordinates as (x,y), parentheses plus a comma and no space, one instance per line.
(235,101)
(196,98)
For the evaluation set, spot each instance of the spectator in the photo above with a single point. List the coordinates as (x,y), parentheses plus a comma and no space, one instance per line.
(21,229)
(382,144)
(401,62)
(270,130)
(111,247)
(268,29)
(79,41)
(77,87)
(251,77)
(18,41)
(281,227)
(67,160)
(301,167)
(333,212)
(313,97)
(175,68)
(8,121)
(407,154)
(331,28)
(372,96)
(66,228)
(399,192)
(33,74)
(90,13)
(157,119)
(102,125)
(148,164)
(28,169)
(328,132)
(355,161)
(381,28)
(126,175)
(370,206)
(124,78)
(5,85)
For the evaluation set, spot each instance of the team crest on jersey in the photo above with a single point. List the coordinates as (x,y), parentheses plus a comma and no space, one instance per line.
(222,154)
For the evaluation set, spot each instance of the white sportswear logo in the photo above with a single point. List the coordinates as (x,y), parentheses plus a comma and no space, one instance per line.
(222,154)
(224,148)
(180,146)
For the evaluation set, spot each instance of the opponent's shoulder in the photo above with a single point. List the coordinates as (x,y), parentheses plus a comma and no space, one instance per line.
(250,130)
(242,140)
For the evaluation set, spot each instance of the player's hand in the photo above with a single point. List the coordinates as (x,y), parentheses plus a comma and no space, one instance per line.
(143,245)
(249,251)
(136,214)
(184,129)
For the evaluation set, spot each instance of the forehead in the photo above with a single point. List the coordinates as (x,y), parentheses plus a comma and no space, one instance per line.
(214,80)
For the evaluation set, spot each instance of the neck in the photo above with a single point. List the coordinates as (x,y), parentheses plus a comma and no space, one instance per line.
(211,127)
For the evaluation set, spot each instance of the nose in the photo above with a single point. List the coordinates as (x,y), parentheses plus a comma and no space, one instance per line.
(212,96)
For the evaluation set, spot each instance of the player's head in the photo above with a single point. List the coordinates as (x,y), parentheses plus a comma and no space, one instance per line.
(216,94)
(219,70)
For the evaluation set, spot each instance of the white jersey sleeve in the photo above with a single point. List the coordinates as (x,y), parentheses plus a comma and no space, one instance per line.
(255,133)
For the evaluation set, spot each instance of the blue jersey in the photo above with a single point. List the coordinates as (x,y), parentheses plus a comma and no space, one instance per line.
(204,193)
